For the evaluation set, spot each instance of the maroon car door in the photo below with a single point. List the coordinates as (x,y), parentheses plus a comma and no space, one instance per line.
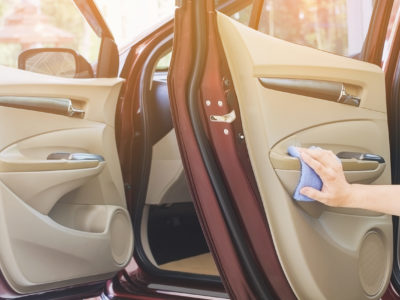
(239,99)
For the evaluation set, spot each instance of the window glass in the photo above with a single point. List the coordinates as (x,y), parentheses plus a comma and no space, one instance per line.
(26,24)
(164,62)
(243,16)
(393,23)
(337,26)
(129,19)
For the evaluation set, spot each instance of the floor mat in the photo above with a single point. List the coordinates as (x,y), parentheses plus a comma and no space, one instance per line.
(174,233)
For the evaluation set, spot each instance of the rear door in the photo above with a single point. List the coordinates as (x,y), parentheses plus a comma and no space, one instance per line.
(63,213)
(286,95)
(64,226)
(325,252)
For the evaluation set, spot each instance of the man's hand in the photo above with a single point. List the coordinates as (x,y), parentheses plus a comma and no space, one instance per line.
(336,191)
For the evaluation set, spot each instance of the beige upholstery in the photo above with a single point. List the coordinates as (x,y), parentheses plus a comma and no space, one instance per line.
(167,182)
(61,222)
(326,253)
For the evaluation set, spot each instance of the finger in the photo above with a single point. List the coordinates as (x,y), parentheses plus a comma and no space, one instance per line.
(300,149)
(325,157)
(319,168)
(313,194)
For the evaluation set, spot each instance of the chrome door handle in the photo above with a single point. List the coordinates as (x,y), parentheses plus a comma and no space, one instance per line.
(62,106)
(346,98)
(361,156)
(75,156)
(327,90)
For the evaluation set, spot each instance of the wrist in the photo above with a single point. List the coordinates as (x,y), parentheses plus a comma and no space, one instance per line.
(351,196)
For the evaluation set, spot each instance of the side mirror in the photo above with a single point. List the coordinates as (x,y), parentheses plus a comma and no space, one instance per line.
(61,62)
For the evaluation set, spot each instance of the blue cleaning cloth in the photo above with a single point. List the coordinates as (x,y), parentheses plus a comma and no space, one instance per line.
(308,177)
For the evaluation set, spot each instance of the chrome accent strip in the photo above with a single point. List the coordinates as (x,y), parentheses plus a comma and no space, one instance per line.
(188,292)
(348,99)
(327,90)
(61,106)
(75,156)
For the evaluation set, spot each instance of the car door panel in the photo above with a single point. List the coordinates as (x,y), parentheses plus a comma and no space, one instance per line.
(63,221)
(326,253)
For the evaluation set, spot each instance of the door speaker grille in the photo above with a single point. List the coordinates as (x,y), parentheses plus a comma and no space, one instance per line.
(373,263)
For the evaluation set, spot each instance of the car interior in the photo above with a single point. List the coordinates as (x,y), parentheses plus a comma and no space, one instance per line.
(60,176)
(62,196)
(60,172)
(284,100)
(170,232)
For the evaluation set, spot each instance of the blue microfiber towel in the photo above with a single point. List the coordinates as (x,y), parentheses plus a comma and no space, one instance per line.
(308,177)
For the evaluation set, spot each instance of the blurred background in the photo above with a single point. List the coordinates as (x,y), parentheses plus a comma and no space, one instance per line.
(28,24)
(337,26)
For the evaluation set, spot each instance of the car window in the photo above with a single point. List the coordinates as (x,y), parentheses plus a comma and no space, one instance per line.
(243,15)
(337,26)
(27,24)
(129,19)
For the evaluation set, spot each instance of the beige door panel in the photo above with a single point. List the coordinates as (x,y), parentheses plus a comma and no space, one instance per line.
(63,222)
(326,253)
(167,182)
(38,253)
(42,190)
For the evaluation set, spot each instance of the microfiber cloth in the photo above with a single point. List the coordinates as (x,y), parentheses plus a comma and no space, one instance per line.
(308,177)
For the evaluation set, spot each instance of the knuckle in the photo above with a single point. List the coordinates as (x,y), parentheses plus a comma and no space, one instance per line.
(318,167)
(330,175)
(337,167)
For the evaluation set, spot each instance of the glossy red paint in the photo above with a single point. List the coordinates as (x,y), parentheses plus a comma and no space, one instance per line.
(373,45)
(390,64)
(209,212)
(391,67)
(256,13)
(127,123)
(6,292)
(233,158)
(390,294)
(133,283)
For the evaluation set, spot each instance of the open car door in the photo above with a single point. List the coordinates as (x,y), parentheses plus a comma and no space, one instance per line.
(63,213)
(240,99)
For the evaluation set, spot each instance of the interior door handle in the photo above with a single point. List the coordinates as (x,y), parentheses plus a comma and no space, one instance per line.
(361,156)
(328,90)
(75,156)
(60,106)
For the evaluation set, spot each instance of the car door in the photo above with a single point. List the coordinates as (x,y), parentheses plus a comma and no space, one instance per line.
(63,212)
(239,101)
(64,226)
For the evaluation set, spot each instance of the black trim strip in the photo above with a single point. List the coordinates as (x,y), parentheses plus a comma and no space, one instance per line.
(144,171)
(253,274)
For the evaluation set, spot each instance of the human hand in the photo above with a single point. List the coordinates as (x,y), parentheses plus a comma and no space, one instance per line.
(336,191)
